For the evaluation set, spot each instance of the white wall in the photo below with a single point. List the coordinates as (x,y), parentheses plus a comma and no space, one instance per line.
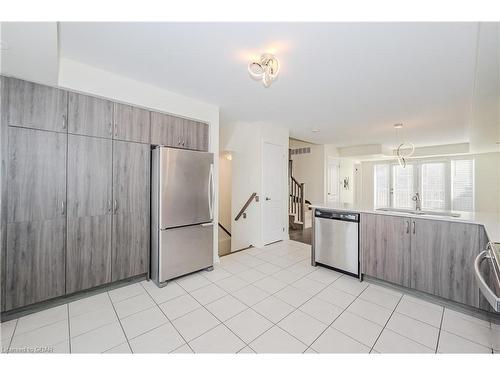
(87,79)
(30,51)
(225,181)
(244,141)
(310,170)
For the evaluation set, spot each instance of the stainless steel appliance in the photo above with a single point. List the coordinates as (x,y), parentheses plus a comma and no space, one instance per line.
(336,240)
(182,204)
(489,285)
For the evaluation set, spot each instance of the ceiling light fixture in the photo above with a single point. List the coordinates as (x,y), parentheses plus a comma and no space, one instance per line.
(403,145)
(265,70)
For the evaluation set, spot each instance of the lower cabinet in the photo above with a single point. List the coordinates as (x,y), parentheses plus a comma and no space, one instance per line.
(385,244)
(442,259)
(431,256)
(35,261)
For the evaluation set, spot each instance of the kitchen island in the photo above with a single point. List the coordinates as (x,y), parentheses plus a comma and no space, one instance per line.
(428,253)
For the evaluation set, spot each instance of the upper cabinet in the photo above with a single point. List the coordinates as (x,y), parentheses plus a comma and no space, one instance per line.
(178,132)
(36,106)
(131,123)
(90,116)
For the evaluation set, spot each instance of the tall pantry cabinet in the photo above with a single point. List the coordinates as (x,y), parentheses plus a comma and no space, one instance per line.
(75,192)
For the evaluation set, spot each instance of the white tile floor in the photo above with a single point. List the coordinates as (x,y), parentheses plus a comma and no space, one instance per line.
(258,300)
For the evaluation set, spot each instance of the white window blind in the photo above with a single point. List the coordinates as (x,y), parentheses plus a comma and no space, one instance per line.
(433,185)
(381,183)
(462,186)
(402,186)
(445,184)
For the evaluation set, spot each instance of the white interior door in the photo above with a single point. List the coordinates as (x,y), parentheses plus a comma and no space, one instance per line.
(333,181)
(273,192)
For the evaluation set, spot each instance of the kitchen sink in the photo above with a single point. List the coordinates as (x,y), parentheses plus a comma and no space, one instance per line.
(419,212)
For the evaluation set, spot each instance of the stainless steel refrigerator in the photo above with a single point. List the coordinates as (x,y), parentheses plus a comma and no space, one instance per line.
(182,205)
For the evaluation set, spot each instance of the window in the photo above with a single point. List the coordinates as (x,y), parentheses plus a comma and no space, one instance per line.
(442,184)
(381,183)
(433,186)
(402,186)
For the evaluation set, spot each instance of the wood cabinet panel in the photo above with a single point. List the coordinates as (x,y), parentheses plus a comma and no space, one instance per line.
(131,177)
(131,193)
(196,135)
(88,262)
(131,123)
(442,259)
(35,262)
(166,130)
(36,175)
(385,248)
(131,237)
(36,106)
(89,176)
(90,116)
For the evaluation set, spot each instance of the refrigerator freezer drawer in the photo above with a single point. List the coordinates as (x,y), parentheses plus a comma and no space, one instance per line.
(184,250)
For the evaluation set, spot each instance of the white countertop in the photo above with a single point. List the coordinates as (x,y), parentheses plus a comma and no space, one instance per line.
(489,220)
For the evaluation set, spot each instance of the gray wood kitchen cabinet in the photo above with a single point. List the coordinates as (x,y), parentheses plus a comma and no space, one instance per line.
(442,259)
(36,106)
(36,217)
(196,135)
(91,116)
(166,130)
(385,248)
(88,260)
(131,209)
(3,185)
(179,132)
(131,123)
(36,174)
(35,261)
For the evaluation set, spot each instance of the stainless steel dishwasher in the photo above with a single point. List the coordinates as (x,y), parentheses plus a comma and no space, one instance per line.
(336,240)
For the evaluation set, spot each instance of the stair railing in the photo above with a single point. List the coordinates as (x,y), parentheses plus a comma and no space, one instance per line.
(296,205)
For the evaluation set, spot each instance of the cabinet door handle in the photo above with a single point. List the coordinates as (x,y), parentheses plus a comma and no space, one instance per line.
(116,206)
(64,121)
(109,206)
(407,223)
(63,208)
(110,128)
(414,227)
(116,130)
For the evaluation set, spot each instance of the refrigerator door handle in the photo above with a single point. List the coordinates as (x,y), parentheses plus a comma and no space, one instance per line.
(207,224)
(211,192)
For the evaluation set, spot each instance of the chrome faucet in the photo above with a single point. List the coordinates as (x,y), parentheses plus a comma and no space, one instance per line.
(416,199)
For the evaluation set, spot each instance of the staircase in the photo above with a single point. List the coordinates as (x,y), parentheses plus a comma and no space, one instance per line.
(296,204)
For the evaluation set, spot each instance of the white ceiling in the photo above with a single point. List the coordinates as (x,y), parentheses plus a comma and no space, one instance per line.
(352,81)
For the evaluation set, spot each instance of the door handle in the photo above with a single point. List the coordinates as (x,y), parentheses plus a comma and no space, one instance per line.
(268,199)
(407,223)
(116,129)
(211,191)
(110,128)
(110,207)
(414,227)
(207,224)
(63,208)
(64,121)
(116,206)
